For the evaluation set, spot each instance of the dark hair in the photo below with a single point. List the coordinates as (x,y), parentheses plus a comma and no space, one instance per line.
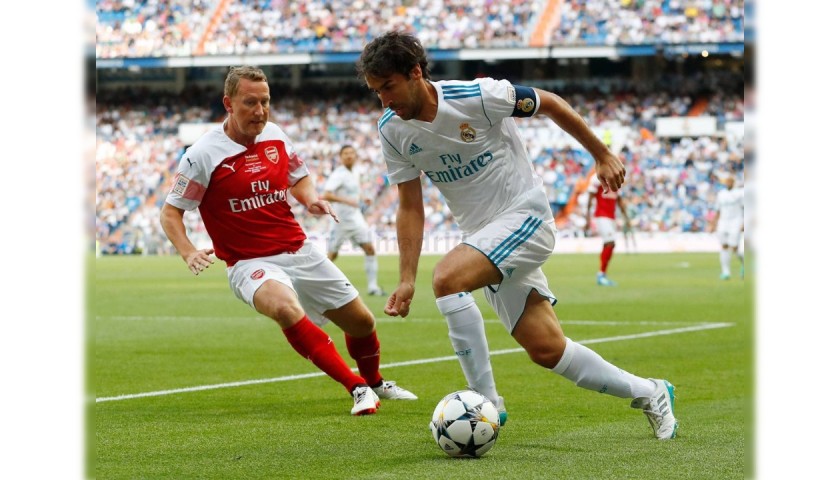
(344,147)
(393,52)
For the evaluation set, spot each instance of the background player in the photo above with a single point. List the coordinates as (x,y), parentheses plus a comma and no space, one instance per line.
(728,223)
(238,175)
(342,188)
(605,205)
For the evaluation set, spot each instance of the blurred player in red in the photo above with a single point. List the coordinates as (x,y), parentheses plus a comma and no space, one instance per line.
(238,175)
(605,203)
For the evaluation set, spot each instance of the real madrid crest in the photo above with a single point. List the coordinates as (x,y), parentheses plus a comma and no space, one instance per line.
(467,133)
(525,105)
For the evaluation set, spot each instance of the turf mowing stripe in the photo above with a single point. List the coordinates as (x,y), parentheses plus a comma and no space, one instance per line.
(694,328)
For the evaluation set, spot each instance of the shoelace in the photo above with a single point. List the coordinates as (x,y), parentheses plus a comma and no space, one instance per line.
(655,418)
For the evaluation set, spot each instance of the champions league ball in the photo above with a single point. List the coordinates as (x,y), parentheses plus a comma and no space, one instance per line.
(465,424)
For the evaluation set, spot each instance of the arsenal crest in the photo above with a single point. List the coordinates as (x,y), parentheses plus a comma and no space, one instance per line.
(272,154)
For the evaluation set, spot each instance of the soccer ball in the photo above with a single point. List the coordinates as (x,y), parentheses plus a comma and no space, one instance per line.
(465,424)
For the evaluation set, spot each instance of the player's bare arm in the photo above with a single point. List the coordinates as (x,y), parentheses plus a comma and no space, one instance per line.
(304,192)
(331,197)
(172,221)
(608,166)
(410,220)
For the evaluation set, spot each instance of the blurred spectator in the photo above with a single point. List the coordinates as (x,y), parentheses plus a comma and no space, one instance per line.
(157,28)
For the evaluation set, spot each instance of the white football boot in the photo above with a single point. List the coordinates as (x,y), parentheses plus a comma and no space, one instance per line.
(659,410)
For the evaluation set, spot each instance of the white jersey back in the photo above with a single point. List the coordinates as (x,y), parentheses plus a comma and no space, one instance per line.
(345,183)
(472,151)
(730,204)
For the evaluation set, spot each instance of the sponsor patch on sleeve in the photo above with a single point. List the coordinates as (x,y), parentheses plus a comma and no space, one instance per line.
(180,185)
(526,101)
(511,95)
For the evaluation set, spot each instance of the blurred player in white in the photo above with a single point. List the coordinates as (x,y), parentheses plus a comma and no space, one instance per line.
(343,190)
(605,205)
(462,136)
(238,175)
(728,223)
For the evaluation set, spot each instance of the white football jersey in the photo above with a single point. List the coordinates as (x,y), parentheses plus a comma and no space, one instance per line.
(730,204)
(472,151)
(345,183)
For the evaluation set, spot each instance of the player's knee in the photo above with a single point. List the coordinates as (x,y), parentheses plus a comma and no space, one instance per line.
(546,350)
(362,324)
(286,313)
(545,356)
(444,284)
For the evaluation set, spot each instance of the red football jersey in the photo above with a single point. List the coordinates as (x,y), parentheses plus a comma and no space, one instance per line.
(241,192)
(605,202)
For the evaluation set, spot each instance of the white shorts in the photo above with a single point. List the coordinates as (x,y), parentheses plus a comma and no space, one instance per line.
(357,232)
(318,283)
(729,234)
(606,228)
(518,244)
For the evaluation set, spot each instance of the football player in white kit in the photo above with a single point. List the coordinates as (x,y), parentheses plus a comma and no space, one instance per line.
(239,176)
(728,223)
(343,190)
(462,136)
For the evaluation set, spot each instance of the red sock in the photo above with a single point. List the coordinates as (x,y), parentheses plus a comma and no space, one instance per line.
(366,353)
(606,254)
(315,345)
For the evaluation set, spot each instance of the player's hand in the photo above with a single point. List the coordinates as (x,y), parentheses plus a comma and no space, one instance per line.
(198,260)
(610,172)
(323,207)
(399,302)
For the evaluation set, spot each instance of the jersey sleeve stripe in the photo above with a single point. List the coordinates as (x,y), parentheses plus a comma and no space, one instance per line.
(389,114)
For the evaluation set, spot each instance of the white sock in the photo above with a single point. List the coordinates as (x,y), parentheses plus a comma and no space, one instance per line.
(372,270)
(466,332)
(590,371)
(725,257)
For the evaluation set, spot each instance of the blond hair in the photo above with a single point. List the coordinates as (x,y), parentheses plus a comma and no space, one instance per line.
(255,74)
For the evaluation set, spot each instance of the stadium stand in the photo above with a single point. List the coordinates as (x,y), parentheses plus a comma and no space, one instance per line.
(151,28)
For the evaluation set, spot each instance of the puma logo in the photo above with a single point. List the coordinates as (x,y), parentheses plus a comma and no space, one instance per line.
(229,166)
(190,162)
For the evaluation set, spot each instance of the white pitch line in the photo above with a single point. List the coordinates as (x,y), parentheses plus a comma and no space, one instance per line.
(440,320)
(694,328)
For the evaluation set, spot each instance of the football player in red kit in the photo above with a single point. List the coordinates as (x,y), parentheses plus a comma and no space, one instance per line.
(238,175)
(605,203)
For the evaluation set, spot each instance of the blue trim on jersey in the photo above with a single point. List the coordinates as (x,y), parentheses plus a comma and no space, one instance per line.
(459,88)
(462,95)
(516,239)
(453,92)
(389,114)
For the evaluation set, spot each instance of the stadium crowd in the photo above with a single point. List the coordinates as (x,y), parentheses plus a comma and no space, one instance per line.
(670,187)
(153,28)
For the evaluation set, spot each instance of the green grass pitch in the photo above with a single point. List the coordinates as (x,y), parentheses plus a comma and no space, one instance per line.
(154,328)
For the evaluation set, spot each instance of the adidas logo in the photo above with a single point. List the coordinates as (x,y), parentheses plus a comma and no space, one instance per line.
(414,149)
